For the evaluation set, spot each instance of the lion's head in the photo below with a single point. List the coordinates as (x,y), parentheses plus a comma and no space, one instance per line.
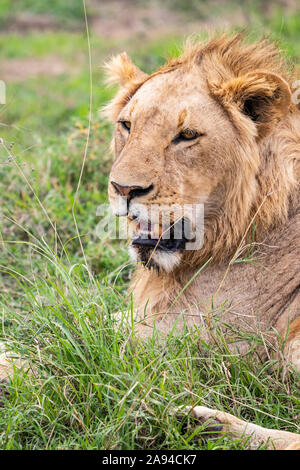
(192,133)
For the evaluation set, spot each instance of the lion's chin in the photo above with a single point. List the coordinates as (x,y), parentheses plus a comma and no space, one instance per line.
(157,247)
(155,259)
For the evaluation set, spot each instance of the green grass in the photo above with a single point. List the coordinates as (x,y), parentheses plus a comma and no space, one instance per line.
(64,12)
(90,383)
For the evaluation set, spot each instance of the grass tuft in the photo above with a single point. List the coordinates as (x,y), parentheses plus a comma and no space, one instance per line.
(88,382)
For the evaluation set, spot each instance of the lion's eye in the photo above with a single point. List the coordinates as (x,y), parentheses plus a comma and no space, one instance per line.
(187,134)
(126,125)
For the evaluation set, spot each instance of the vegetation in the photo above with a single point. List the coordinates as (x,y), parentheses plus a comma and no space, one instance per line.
(89,382)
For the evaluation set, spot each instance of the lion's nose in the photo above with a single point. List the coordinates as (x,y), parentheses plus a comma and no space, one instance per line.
(131,191)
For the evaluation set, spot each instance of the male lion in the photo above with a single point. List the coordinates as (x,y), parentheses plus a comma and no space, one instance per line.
(216,126)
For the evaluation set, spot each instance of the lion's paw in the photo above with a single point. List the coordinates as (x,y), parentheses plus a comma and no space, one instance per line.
(203,416)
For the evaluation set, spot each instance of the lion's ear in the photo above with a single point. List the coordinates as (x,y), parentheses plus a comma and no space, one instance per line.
(262,96)
(121,70)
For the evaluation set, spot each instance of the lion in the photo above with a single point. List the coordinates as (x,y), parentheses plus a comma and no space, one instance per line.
(217,127)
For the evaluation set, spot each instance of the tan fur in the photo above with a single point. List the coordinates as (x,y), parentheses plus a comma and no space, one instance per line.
(252,434)
(255,175)
(244,168)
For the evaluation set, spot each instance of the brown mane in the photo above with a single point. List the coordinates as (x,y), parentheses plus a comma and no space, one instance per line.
(233,56)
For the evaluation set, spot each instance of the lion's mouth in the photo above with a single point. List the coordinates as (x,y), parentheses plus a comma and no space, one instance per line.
(169,239)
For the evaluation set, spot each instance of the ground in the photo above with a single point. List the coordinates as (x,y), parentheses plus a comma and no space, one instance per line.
(90,384)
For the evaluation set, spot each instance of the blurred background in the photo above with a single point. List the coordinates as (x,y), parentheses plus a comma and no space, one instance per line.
(91,386)
(44,62)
